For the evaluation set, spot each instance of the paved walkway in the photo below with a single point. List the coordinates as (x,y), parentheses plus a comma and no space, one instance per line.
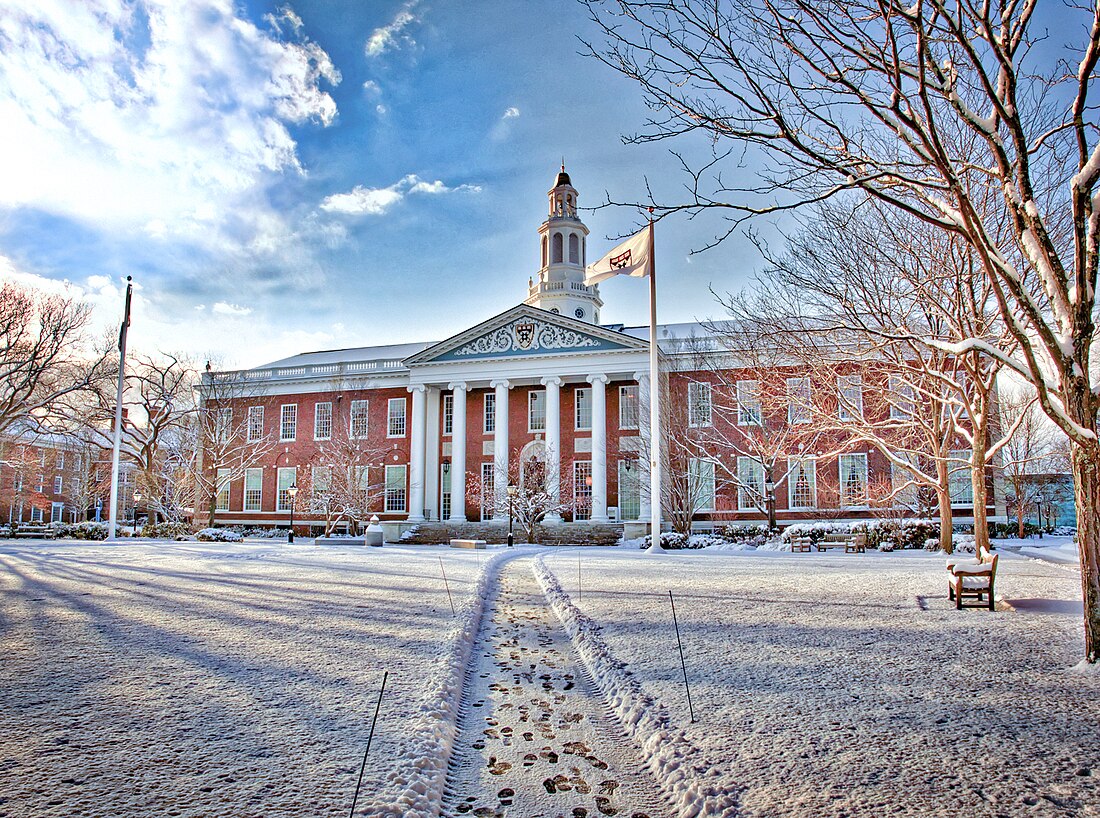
(534,738)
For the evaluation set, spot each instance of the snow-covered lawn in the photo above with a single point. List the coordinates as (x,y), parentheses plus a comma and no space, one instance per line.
(202,679)
(847,684)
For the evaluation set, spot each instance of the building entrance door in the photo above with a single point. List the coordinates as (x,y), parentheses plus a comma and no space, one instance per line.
(445,491)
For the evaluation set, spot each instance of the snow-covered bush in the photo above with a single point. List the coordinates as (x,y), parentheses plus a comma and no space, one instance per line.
(815,531)
(218,535)
(5,531)
(88,530)
(672,540)
(166,530)
(754,535)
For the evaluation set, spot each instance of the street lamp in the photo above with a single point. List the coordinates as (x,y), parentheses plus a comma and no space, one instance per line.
(137,499)
(769,487)
(512,492)
(293,492)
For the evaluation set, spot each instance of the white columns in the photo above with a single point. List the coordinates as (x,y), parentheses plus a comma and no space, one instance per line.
(500,448)
(599,448)
(644,489)
(553,443)
(417,439)
(458,453)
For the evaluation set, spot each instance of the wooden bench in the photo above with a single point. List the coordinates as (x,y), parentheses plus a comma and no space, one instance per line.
(852,543)
(972,578)
(800,544)
(468,544)
(37,532)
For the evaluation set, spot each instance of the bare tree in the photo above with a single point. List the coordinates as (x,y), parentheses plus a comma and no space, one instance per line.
(932,108)
(1030,452)
(47,360)
(535,497)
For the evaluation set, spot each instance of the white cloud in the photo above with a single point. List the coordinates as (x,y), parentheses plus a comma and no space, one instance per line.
(223,308)
(374,201)
(381,110)
(372,88)
(390,36)
(168,117)
(510,113)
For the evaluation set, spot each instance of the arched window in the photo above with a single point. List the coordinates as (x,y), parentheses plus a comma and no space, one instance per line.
(544,251)
(556,248)
(574,249)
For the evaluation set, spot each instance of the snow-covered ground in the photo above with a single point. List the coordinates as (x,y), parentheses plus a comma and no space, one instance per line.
(201,679)
(847,684)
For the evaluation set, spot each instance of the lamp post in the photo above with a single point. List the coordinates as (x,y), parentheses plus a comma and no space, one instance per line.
(512,491)
(137,499)
(769,487)
(293,492)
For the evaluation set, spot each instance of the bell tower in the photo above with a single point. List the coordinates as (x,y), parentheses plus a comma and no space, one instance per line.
(563,237)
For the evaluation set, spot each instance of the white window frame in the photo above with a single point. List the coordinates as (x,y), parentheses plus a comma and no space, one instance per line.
(582,489)
(57,512)
(630,476)
(489,413)
(582,404)
(282,495)
(960,487)
(222,485)
(288,423)
(359,414)
(396,420)
(253,499)
(536,421)
(448,415)
(629,406)
(700,404)
(751,471)
(60,460)
(255,423)
(488,495)
(395,492)
(57,483)
(223,424)
(748,401)
(36,514)
(795,468)
(849,390)
(701,485)
(850,459)
(320,481)
(322,421)
(902,395)
(798,401)
(902,482)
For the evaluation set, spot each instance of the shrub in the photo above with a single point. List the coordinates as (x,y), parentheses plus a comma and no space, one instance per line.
(166,530)
(88,530)
(671,540)
(218,535)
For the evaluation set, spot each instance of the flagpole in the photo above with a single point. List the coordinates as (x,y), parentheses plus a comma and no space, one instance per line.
(654,405)
(112,520)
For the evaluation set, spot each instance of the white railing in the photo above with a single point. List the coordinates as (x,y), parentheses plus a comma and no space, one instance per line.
(313,371)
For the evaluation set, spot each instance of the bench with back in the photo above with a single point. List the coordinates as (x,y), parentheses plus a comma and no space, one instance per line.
(972,578)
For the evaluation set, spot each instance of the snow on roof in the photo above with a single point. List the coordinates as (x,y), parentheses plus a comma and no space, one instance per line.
(335,356)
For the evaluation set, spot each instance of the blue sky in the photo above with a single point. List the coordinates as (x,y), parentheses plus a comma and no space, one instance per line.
(325,174)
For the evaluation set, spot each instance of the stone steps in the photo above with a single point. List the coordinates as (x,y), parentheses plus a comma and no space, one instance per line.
(435,533)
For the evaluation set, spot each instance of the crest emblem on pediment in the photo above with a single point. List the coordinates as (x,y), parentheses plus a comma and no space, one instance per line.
(525,334)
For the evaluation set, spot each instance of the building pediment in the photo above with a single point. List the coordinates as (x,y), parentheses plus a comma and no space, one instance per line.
(526,331)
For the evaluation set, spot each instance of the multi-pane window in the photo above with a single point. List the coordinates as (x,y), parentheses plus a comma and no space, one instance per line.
(36,514)
(288,422)
(628,407)
(223,423)
(490,413)
(362,482)
(582,489)
(959,482)
(255,423)
(320,480)
(41,486)
(853,480)
(488,490)
(700,410)
(750,483)
(322,421)
(395,418)
(57,484)
(582,409)
(849,390)
(630,490)
(749,412)
(395,489)
(900,397)
(906,492)
(536,411)
(802,483)
(222,503)
(286,478)
(798,400)
(358,419)
(701,483)
(253,489)
(448,414)
(60,460)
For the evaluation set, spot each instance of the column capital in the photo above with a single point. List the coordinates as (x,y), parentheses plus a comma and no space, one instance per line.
(500,382)
(456,386)
(553,380)
(640,376)
(597,378)
(418,387)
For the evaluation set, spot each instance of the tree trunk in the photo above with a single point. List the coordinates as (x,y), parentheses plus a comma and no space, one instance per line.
(943,502)
(1086,474)
(1020,509)
(211,503)
(980,491)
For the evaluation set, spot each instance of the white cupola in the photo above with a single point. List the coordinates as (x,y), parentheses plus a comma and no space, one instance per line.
(560,286)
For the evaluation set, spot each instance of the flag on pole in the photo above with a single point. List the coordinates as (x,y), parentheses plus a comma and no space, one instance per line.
(629,258)
(125,316)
